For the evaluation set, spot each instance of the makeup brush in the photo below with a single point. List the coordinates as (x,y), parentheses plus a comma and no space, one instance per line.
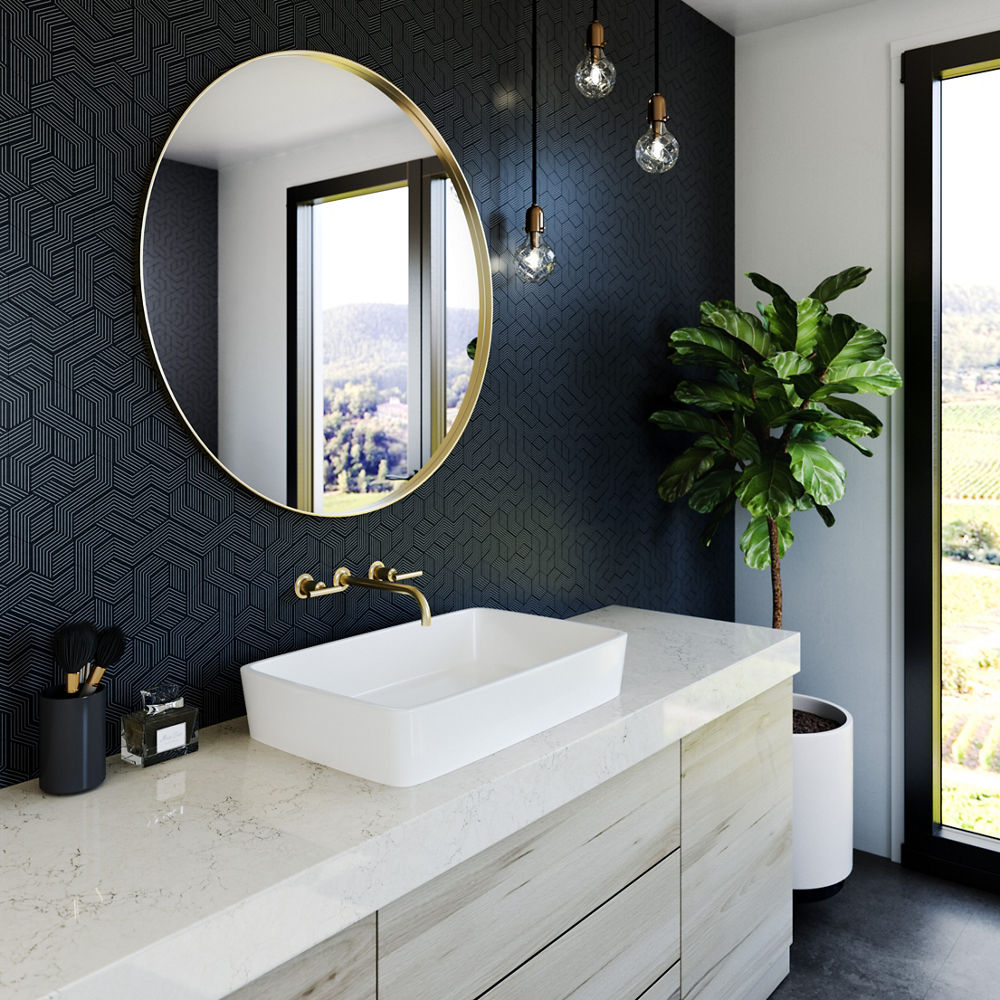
(107,651)
(74,649)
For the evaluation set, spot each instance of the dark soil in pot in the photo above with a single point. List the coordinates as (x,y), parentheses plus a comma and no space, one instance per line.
(809,722)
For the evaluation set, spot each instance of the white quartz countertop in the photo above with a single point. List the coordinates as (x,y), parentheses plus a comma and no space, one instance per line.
(189,879)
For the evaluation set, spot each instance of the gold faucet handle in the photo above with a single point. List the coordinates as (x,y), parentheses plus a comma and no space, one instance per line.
(306,586)
(379,571)
(395,575)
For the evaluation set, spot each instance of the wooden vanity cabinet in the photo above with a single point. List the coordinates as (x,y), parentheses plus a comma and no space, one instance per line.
(463,932)
(340,968)
(671,881)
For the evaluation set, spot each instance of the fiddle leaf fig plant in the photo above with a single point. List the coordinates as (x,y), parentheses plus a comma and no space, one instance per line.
(778,388)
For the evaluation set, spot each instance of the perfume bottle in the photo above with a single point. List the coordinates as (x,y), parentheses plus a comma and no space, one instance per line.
(162,729)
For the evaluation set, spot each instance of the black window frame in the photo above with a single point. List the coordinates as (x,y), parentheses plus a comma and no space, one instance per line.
(928,845)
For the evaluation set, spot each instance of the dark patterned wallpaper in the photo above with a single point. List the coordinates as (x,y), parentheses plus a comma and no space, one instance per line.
(112,513)
(180,272)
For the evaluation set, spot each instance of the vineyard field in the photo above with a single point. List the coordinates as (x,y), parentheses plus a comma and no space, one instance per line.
(970,446)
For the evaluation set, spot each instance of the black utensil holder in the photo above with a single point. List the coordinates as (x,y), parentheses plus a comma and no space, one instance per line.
(71,740)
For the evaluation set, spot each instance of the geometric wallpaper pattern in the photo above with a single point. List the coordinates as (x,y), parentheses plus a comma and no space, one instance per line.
(180,280)
(112,513)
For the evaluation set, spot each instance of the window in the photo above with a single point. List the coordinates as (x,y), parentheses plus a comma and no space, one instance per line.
(952,442)
(383,312)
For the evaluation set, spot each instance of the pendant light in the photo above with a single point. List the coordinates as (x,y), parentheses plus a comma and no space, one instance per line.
(595,74)
(534,259)
(657,150)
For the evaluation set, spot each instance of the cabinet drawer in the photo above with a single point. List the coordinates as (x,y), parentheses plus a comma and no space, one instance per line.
(621,950)
(461,933)
(340,968)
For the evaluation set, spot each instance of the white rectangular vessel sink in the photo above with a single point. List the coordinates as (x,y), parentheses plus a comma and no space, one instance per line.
(406,704)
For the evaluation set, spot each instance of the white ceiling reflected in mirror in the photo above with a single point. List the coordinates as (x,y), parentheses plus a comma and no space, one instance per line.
(315,283)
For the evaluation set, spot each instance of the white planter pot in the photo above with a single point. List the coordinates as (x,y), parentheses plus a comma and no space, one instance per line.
(823,803)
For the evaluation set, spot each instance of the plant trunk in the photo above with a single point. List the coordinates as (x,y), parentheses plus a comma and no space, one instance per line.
(772,532)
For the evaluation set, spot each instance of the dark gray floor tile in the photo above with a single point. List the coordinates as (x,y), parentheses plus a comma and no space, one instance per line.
(895,934)
(973,966)
(944,991)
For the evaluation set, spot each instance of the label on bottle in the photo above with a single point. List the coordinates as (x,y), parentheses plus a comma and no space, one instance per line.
(171,737)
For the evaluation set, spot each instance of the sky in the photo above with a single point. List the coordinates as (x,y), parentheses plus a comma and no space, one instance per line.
(364,251)
(970,193)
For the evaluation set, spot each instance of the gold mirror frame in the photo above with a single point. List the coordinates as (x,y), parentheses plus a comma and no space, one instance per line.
(484,280)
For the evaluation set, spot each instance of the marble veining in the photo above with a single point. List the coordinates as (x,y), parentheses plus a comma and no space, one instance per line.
(203,873)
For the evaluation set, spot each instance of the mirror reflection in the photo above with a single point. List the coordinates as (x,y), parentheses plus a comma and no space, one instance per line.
(315,283)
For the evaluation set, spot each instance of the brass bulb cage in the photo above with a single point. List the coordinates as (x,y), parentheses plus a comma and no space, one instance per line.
(534,225)
(595,40)
(484,280)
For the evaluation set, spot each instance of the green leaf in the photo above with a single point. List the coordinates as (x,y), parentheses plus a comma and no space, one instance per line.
(789,363)
(680,475)
(849,429)
(712,489)
(744,326)
(782,322)
(711,396)
(691,340)
(767,286)
(470,347)
(709,307)
(829,288)
(809,313)
(716,519)
(755,542)
(850,410)
(878,376)
(685,420)
(845,341)
(854,444)
(779,313)
(824,512)
(798,415)
(806,384)
(767,488)
(817,470)
(764,382)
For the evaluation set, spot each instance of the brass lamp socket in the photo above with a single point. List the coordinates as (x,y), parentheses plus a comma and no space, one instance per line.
(534,225)
(595,40)
(656,113)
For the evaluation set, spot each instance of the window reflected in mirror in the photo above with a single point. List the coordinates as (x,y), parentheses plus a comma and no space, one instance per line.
(383,332)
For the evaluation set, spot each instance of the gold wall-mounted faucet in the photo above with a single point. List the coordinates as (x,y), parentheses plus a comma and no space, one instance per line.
(379,578)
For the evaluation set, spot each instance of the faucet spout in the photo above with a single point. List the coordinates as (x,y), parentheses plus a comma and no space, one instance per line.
(343,578)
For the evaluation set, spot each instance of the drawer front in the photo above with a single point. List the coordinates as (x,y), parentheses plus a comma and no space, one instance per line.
(736,859)
(462,932)
(620,951)
(340,968)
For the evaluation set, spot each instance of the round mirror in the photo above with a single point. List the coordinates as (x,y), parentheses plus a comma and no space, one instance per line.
(315,283)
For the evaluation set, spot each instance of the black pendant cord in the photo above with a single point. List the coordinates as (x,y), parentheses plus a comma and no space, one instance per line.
(534,102)
(656,47)
(594,18)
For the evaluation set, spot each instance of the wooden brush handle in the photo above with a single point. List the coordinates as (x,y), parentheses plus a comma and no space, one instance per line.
(72,683)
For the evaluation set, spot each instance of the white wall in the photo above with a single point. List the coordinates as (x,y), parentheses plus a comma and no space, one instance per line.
(818,188)
(252,294)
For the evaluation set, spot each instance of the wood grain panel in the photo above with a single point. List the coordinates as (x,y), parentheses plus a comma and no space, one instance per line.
(340,968)
(618,951)
(736,861)
(667,987)
(461,933)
